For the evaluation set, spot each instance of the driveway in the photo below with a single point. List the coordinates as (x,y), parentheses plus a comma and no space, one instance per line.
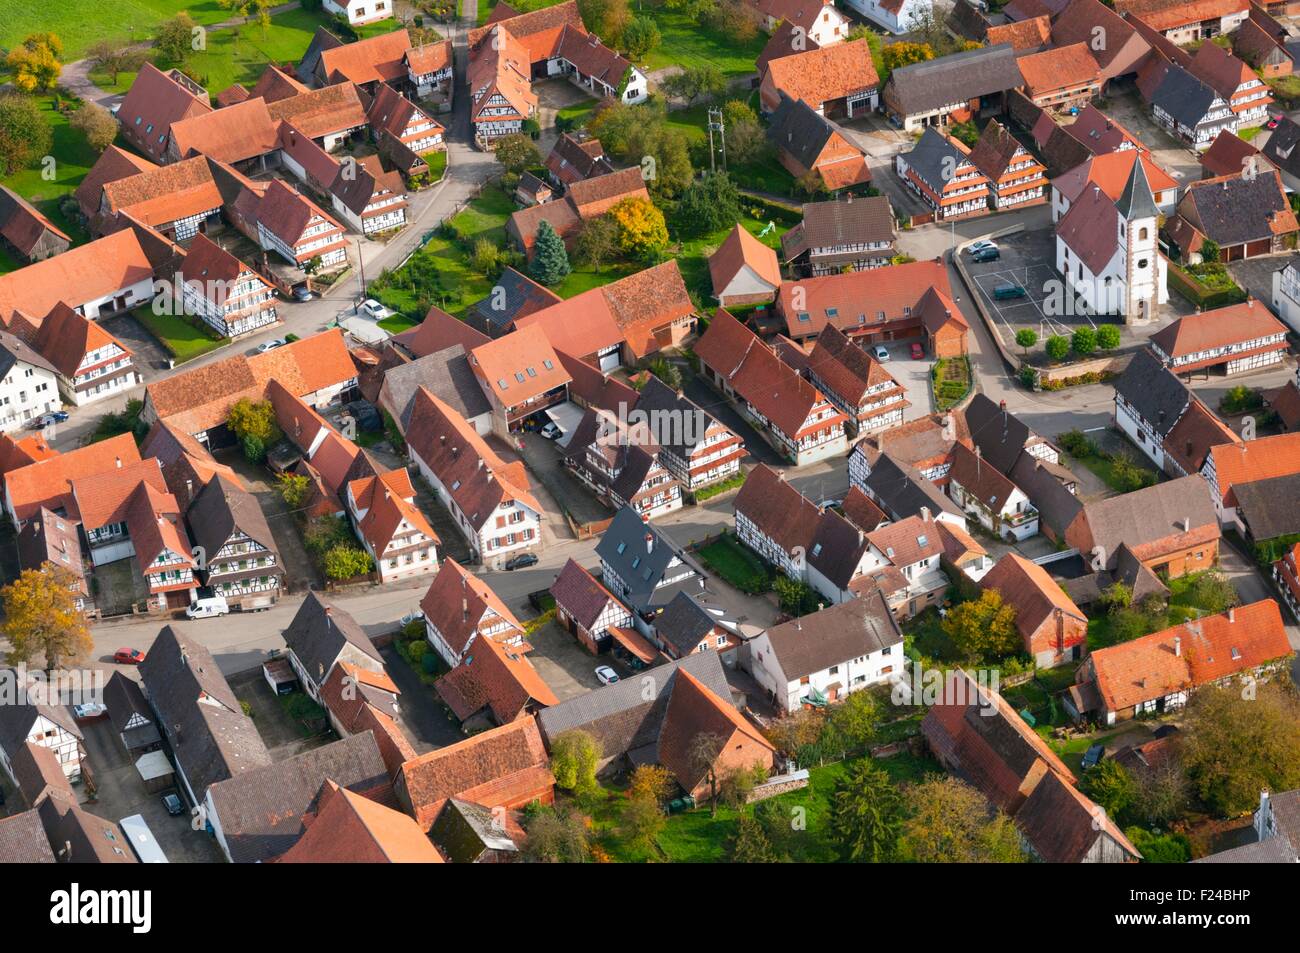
(425,721)
(121,793)
(914,375)
(568,494)
(709,400)
(282,735)
(299,571)
(566,667)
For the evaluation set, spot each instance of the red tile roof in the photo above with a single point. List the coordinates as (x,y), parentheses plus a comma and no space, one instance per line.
(1062,67)
(519,366)
(154,103)
(113,163)
(242,131)
(79,276)
(740,248)
(350,829)
(456,602)
(859,297)
(388,500)
(1253,460)
(65,338)
(321,112)
(1026,587)
(101,498)
(820,75)
(49,482)
(440,330)
(1221,327)
(369,60)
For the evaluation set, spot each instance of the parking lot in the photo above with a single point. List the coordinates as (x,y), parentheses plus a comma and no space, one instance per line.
(913,375)
(121,793)
(1027,261)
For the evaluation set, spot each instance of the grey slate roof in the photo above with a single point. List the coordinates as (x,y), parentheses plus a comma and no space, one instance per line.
(627,715)
(1137,201)
(1150,514)
(683,623)
(797,129)
(832,636)
(129,712)
(1280,148)
(223,508)
(210,742)
(1275,850)
(16,722)
(999,434)
(624,548)
(837,548)
(862,220)
(1184,96)
(1057,507)
(261,810)
(934,156)
(23,841)
(446,374)
(901,491)
(658,396)
(519,296)
(1271,507)
(13,350)
(1153,390)
(921,87)
(318,633)
(1238,209)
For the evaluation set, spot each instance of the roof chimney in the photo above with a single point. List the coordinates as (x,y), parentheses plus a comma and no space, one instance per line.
(1178,645)
(118,461)
(649,542)
(925,514)
(1231,613)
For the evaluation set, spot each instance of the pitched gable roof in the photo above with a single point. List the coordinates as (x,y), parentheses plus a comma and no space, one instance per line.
(319,633)
(352,829)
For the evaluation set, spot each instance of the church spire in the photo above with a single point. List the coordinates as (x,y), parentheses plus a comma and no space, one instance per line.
(1137,200)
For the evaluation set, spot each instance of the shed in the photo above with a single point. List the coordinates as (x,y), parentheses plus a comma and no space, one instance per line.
(156,772)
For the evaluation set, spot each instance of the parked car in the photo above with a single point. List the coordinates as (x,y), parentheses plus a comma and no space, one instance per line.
(1272,122)
(1092,756)
(302,293)
(128,656)
(1007,290)
(981,245)
(208,605)
(412,616)
(270,345)
(881,352)
(373,309)
(829,503)
(520,561)
(89,711)
(918,352)
(551,431)
(606,675)
(173,805)
(986,254)
(48,420)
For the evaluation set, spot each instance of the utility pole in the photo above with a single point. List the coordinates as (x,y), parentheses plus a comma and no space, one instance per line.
(716,123)
(361,266)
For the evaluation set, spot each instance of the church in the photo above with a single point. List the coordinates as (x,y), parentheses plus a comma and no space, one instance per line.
(1107,251)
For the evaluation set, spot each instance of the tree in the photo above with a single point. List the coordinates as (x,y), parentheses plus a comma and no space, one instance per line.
(639,135)
(174,37)
(1112,786)
(575,756)
(1057,347)
(1108,337)
(1160,848)
(1162,792)
(867,814)
(259,10)
(113,57)
(652,781)
(983,628)
(95,123)
(42,618)
(1084,341)
(731,19)
(556,835)
(295,490)
(641,37)
(486,258)
(597,243)
(517,153)
(345,561)
(249,418)
(642,233)
(751,845)
(796,730)
(695,82)
(1026,338)
(1213,593)
(1235,744)
(709,204)
(1209,251)
(34,66)
(856,720)
(746,140)
(550,263)
(951,823)
(641,820)
(702,756)
(24,133)
(904,54)
(608,19)
(811,184)
(736,784)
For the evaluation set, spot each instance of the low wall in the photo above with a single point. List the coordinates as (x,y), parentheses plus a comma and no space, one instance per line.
(1112,363)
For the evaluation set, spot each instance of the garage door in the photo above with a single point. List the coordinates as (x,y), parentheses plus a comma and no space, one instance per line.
(609,361)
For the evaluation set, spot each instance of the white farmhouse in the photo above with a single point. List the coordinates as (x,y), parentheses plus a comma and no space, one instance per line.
(358,12)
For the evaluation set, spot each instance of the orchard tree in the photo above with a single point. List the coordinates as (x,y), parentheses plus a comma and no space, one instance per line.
(25,136)
(642,233)
(517,153)
(34,65)
(42,618)
(97,125)
(950,823)
(597,242)
(575,755)
(710,203)
(250,418)
(556,835)
(902,53)
(641,38)
(983,628)
(174,39)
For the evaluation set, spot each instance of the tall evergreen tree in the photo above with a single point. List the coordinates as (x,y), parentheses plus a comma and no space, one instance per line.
(550,260)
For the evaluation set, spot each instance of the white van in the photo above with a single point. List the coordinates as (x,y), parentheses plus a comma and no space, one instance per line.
(208,606)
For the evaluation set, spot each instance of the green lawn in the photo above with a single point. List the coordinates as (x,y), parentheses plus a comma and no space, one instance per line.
(1104,468)
(437,163)
(693,255)
(1182,608)
(185,341)
(699,837)
(72,160)
(733,562)
(763,175)
(79,23)
(686,44)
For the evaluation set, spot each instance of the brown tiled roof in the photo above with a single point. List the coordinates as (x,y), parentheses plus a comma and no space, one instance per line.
(695,710)
(392,112)
(455,602)
(1286,402)
(861,293)
(1253,460)
(49,482)
(851,220)
(846,369)
(538,30)
(908,541)
(979,478)
(429,58)
(1151,521)
(113,163)
(782,43)
(388,499)
(1033,33)
(212,271)
(164,195)
(351,829)
(322,112)
(1026,587)
(475,477)
(827,73)
(1059,68)
(65,338)
(1228,155)
(741,248)
(1189,441)
(861,510)
(157,100)
(579,594)
(1218,328)
(80,275)
(1080,19)
(366,61)
(438,331)
(23,226)
(519,366)
(513,752)
(777,509)
(276,83)
(1100,133)
(576,156)
(498,677)
(287,213)
(239,132)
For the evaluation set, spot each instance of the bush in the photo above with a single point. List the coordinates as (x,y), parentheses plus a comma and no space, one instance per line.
(1057,347)
(1028,376)
(1108,337)
(1084,342)
(1240,399)
(1077,444)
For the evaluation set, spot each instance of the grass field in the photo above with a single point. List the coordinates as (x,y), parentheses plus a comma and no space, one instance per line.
(737,565)
(79,23)
(686,44)
(183,340)
(72,160)
(693,255)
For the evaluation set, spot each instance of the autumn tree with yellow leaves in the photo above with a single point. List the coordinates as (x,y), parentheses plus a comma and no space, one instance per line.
(42,618)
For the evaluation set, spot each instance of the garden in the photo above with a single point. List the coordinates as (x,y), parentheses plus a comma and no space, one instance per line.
(1119,619)
(1121,470)
(950,381)
(729,559)
(183,337)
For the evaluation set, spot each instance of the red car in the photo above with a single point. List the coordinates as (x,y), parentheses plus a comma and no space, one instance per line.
(917,351)
(128,656)
(1272,122)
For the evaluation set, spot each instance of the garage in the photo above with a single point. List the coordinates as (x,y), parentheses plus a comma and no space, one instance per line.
(608,359)
(566,416)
